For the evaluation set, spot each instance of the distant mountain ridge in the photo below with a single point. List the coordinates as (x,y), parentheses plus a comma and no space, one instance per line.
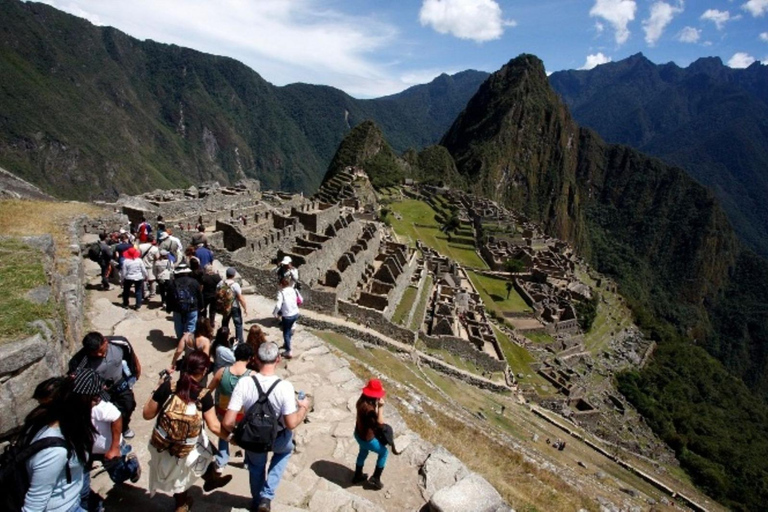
(709,119)
(88,112)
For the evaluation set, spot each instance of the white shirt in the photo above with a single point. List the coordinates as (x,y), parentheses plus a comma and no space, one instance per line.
(103,415)
(287,302)
(150,252)
(134,270)
(178,247)
(282,397)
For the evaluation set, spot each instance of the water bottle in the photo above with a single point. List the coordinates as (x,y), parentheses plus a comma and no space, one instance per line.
(302,395)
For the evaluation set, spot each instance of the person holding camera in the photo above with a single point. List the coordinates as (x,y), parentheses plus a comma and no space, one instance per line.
(370,420)
(180,451)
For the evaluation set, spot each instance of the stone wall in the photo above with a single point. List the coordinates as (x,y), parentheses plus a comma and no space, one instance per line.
(376,320)
(26,362)
(465,350)
(402,282)
(368,247)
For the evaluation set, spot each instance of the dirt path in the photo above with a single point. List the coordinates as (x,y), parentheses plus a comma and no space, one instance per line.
(319,471)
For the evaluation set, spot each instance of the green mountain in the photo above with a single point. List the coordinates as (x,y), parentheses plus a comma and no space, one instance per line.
(707,118)
(669,245)
(88,112)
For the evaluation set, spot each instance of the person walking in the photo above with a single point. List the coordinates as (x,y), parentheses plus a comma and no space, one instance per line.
(149,255)
(180,451)
(370,419)
(199,341)
(290,412)
(104,260)
(287,310)
(210,282)
(114,360)
(133,273)
(183,300)
(286,269)
(204,254)
(163,272)
(239,310)
(57,472)
(255,338)
(224,382)
(222,350)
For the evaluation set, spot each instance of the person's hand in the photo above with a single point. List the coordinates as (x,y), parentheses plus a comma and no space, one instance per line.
(381,402)
(304,402)
(112,453)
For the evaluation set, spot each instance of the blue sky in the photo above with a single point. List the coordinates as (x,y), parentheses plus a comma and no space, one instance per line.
(371,48)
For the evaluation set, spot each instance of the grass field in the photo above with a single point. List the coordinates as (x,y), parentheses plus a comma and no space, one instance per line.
(418,314)
(519,361)
(405,305)
(493,291)
(538,337)
(418,223)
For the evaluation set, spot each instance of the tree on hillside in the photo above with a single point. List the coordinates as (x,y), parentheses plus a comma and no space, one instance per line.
(451,225)
(514,266)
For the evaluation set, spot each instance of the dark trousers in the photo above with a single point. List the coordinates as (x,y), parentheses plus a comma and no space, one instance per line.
(138,286)
(126,404)
(104,265)
(209,309)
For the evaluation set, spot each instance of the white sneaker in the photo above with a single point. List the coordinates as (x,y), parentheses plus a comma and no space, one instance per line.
(129,434)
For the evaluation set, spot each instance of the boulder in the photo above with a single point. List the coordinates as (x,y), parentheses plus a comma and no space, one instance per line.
(441,469)
(472,492)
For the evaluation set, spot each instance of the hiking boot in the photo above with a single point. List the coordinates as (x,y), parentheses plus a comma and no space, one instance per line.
(375,480)
(359,477)
(265,505)
(214,480)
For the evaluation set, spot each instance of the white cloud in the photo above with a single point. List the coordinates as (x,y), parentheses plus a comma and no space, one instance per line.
(719,18)
(284,41)
(689,35)
(478,20)
(618,13)
(595,60)
(661,15)
(756,7)
(741,60)
(764,37)
(599,27)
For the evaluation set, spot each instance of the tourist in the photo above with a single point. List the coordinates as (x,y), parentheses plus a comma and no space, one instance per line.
(163,270)
(114,360)
(160,226)
(57,473)
(370,419)
(133,273)
(180,451)
(286,269)
(48,390)
(199,237)
(144,230)
(239,310)
(104,260)
(149,255)
(287,310)
(210,282)
(123,245)
(255,338)
(199,341)
(183,299)
(224,381)
(291,414)
(223,353)
(204,254)
(170,243)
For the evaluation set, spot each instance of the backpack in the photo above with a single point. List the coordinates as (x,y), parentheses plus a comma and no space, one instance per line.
(94,252)
(225,297)
(185,298)
(80,359)
(14,478)
(176,429)
(258,431)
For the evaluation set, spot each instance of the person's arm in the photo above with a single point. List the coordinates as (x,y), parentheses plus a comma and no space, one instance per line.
(213,423)
(278,304)
(229,422)
(241,300)
(116,428)
(152,408)
(137,364)
(48,465)
(380,411)
(179,351)
(295,419)
(216,379)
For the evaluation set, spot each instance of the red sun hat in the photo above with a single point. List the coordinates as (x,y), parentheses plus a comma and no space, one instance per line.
(132,254)
(374,389)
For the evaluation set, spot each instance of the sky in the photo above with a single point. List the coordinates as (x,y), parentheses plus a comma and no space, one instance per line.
(372,48)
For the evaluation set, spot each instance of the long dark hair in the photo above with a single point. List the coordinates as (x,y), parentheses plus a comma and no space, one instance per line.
(222,338)
(197,362)
(73,413)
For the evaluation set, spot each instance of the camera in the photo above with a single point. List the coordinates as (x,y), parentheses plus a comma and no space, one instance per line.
(165,375)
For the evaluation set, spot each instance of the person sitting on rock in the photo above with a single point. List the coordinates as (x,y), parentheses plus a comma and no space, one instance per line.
(370,419)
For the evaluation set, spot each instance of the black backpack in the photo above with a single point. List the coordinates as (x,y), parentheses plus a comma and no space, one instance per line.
(14,478)
(94,252)
(258,430)
(185,299)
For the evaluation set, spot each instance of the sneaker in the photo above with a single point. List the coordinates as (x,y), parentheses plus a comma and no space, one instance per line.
(265,505)
(129,434)
(137,475)
(287,355)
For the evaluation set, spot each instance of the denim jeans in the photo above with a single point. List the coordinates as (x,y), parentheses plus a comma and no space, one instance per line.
(286,324)
(374,445)
(184,322)
(138,285)
(121,469)
(262,487)
(236,314)
(222,458)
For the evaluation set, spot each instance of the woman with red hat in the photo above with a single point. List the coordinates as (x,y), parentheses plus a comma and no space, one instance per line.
(370,418)
(133,273)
